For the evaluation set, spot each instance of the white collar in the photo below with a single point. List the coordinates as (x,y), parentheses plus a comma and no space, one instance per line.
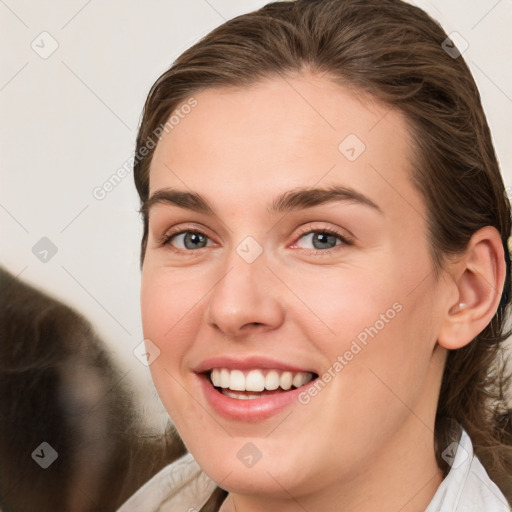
(467,487)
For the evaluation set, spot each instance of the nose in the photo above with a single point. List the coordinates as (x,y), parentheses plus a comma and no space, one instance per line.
(245,299)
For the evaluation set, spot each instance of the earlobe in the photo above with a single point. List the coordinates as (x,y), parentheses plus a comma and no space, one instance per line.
(479,276)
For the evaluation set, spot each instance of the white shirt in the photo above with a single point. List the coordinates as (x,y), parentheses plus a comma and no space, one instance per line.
(183,487)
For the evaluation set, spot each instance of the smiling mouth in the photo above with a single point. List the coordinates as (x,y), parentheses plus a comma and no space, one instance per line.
(256,383)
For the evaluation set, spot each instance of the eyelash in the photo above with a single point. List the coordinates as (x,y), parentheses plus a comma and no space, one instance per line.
(167,237)
(165,240)
(327,231)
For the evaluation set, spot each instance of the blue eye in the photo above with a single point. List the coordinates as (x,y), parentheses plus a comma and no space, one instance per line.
(321,240)
(189,240)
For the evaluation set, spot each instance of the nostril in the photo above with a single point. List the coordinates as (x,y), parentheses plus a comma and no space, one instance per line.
(252,324)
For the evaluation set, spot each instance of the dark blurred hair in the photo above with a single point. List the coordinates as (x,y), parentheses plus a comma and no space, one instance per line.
(395,52)
(59,386)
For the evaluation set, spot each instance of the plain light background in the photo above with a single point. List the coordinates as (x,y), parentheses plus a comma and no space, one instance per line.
(73,80)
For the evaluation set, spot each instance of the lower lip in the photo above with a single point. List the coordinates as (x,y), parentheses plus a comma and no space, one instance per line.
(256,409)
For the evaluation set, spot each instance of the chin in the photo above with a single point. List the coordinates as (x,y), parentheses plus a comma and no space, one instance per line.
(248,465)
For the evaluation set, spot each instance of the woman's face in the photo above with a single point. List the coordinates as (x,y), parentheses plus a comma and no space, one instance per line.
(286,241)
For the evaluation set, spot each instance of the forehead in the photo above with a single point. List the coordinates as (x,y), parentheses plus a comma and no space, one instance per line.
(238,144)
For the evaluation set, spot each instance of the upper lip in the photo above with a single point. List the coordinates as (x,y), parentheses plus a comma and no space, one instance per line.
(247,363)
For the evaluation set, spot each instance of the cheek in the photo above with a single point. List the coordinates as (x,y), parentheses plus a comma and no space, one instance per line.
(171,316)
(369,325)
(334,306)
(169,300)
(374,380)
(387,365)
(170,306)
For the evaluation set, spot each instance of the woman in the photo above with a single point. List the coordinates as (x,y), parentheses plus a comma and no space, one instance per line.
(325,269)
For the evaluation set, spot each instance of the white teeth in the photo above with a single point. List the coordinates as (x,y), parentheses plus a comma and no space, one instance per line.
(240,396)
(300,379)
(272,380)
(224,378)
(215,376)
(236,380)
(257,380)
(286,380)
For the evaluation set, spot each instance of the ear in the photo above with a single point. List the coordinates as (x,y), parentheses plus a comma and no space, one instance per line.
(479,277)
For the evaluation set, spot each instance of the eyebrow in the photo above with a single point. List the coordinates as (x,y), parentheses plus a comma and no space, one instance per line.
(292,200)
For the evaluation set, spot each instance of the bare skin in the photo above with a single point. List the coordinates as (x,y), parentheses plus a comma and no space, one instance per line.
(365,441)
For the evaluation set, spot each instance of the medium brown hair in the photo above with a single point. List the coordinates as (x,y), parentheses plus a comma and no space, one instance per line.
(396,53)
